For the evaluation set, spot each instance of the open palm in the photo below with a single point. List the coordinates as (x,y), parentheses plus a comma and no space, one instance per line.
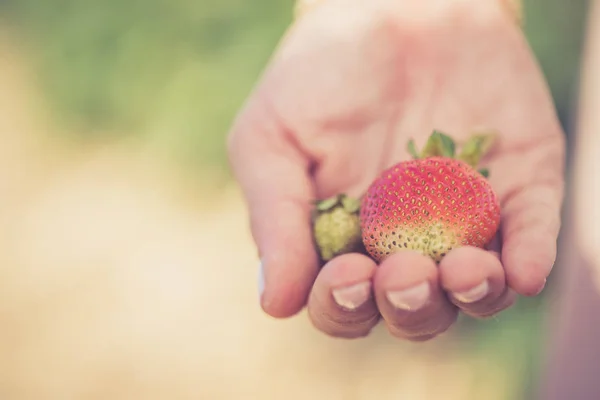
(349,86)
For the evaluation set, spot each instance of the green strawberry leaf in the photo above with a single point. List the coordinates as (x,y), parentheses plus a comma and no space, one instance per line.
(432,147)
(476,147)
(328,204)
(447,145)
(485,172)
(412,149)
(350,204)
(439,144)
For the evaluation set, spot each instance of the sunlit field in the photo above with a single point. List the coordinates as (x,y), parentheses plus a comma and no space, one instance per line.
(126,267)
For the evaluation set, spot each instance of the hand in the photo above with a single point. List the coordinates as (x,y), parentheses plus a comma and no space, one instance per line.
(351,83)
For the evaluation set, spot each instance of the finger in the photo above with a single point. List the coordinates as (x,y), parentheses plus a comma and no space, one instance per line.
(341,303)
(274,178)
(410,299)
(475,282)
(530,227)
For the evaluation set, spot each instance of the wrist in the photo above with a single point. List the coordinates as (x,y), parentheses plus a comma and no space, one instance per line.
(513,7)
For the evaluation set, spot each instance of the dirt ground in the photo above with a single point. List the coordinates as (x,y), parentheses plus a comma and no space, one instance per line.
(116,285)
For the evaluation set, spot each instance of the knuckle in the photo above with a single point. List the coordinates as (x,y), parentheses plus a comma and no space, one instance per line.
(420,338)
(233,141)
(411,336)
(423,327)
(344,325)
(346,334)
(230,144)
(533,211)
(489,309)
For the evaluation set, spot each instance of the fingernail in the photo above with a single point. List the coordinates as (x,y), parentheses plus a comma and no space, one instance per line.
(541,288)
(475,294)
(261,280)
(410,299)
(352,297)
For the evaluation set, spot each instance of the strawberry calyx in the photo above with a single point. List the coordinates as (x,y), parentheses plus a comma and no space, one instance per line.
(350,204)
(440,144)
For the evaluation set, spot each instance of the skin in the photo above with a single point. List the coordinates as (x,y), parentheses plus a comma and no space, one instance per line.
(348,86)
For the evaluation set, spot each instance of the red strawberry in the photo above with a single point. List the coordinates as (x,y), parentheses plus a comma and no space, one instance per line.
(431,204)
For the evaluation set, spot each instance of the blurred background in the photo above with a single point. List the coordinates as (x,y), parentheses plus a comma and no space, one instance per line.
(126,271)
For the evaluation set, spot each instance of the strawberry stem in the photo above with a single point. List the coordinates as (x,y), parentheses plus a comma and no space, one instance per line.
(485,172)
(412,149)
(350,204)
(439,144)
(476,147)
(329,203)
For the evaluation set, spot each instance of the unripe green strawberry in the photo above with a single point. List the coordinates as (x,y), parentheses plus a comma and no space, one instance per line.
(431,204)
(337,226)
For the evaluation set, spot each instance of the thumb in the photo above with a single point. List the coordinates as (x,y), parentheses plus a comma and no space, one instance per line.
(274,177)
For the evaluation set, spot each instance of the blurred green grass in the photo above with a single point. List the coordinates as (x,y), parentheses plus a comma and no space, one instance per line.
(176,72)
